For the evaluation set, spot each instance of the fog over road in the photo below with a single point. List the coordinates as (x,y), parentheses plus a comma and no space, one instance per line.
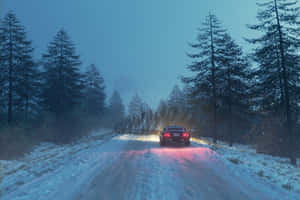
(138,168)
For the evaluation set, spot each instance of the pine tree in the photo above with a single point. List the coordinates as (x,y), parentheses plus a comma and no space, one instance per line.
(116,107)
(176,98)
(193,108)
(204,83)
(278,59)
(2,83)
(233,85)
(94,91)
(149,120)
(162,108)
(145,118)
(135,106)
(62,80)
(162,114)
(19,72)
(136,111)
(28,83)
(175,104)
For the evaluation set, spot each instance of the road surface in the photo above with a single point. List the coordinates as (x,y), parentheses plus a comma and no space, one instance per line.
(138,168)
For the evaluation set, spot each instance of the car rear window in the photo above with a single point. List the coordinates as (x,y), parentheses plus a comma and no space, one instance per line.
(175,129)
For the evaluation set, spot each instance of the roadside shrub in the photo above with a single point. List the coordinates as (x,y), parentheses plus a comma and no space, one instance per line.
(272,139)
(15,142)
(20,138)
(69,127)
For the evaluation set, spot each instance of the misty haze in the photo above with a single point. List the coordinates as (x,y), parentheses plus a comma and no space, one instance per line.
(150,100)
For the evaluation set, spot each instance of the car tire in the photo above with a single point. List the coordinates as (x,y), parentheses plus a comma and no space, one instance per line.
(162,143)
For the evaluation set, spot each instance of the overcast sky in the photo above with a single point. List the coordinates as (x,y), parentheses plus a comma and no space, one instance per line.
(138,45)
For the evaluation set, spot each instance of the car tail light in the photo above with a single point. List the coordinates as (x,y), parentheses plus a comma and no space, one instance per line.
(185,135)
(167,135)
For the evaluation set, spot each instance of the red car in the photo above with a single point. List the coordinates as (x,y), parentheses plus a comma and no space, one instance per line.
(176,134)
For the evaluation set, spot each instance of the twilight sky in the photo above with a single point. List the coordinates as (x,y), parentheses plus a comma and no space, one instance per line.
(138,45)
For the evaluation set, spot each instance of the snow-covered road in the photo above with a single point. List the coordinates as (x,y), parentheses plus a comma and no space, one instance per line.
(131,167)
(142,170)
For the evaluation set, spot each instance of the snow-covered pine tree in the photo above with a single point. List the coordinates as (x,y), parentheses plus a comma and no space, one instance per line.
(116,107)
(94,93)
(192,108)
(144,122)
(149,120)
(62,88)
(278,61)
(205,65)
(135,106)
(137,112)
(161,114)
(176,98)
(175,105)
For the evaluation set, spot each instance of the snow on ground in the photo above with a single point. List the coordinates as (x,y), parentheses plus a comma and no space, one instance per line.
(51,171)
(46,162)
(144,170)
(273,169)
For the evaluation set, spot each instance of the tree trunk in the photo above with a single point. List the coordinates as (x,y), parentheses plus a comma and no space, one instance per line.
(230,131)
(286,91)
(230,107)
(213,83)
(10,79)
(26,107)
(280,81)
(26,97)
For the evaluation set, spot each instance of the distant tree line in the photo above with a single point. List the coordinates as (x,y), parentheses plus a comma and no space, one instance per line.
(53,94)
(140,116)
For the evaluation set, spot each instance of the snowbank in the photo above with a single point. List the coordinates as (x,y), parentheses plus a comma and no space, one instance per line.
(48,163)
(276,170)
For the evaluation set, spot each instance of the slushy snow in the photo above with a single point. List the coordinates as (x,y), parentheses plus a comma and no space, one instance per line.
(275,170)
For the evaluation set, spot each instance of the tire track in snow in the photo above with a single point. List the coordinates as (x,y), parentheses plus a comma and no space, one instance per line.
(155,179)
(142,170)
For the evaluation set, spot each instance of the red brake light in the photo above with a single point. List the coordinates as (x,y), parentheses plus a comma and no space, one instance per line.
(185,135)
(167,135)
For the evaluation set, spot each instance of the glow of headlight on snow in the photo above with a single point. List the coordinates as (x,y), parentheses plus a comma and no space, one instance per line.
(181,155)
(153,138)
(199,141)
(148,138)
